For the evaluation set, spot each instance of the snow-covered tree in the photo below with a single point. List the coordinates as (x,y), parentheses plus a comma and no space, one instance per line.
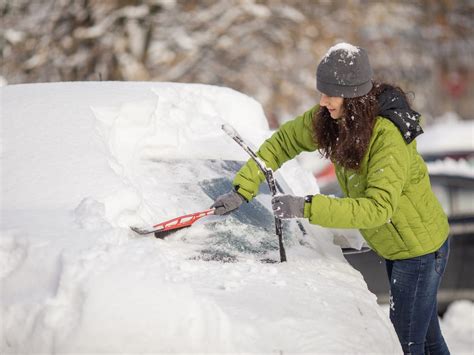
(268,49)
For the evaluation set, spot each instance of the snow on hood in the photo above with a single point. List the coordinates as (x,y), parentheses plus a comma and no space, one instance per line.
(76,279)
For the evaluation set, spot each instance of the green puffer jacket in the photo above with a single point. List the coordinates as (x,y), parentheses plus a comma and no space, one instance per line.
(389,200)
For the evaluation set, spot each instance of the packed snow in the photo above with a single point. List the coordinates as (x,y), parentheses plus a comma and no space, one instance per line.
(81,162)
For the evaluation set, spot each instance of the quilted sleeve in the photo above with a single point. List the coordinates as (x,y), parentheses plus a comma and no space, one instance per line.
(388,166)
(292,138)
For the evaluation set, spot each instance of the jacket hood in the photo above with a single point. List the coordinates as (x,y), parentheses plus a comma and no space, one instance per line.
(394,106)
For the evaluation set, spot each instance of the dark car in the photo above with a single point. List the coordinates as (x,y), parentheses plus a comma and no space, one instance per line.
(453,183)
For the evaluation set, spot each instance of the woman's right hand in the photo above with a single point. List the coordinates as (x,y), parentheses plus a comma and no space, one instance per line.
(227,203)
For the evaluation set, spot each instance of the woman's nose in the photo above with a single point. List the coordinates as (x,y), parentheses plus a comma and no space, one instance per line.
(323,100)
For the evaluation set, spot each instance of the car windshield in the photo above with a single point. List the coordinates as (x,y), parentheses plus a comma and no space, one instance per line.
(248,231)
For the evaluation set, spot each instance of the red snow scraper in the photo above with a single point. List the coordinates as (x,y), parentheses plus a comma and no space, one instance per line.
(172,224)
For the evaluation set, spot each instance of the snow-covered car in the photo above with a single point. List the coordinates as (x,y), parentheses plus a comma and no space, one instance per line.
(448,149)
(81,162)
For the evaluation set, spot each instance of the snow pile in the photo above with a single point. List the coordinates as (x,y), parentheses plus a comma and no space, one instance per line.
(81,162)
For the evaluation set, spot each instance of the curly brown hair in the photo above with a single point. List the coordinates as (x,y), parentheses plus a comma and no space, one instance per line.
(346,140)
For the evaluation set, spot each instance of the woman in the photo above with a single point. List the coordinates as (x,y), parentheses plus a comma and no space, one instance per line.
(367,130)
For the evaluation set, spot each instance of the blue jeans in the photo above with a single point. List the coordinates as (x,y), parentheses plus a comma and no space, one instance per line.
(414,285)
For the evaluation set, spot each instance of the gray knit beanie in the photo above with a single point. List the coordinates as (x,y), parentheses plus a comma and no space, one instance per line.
(344,72)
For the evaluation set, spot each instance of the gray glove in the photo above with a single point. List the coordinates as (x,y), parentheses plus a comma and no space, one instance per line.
(288,206)
(227,203)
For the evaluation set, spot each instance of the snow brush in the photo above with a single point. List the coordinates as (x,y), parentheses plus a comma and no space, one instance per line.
(173,224)
(268,176)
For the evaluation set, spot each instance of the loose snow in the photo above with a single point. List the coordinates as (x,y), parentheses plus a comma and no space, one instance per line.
(83,161)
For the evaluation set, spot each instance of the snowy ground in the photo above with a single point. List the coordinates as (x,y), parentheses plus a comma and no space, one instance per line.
(80,164)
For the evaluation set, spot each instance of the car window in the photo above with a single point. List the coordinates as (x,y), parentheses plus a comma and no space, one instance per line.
(248,231)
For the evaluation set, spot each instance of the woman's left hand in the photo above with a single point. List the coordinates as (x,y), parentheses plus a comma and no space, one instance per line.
(288,206)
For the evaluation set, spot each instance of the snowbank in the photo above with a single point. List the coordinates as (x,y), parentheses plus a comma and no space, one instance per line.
(80,164)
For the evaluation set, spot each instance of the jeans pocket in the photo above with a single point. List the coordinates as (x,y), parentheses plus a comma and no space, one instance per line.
(441,258)
(440,266)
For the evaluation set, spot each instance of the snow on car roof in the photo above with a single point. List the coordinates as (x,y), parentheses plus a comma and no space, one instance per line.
(450,166)
(449,134)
